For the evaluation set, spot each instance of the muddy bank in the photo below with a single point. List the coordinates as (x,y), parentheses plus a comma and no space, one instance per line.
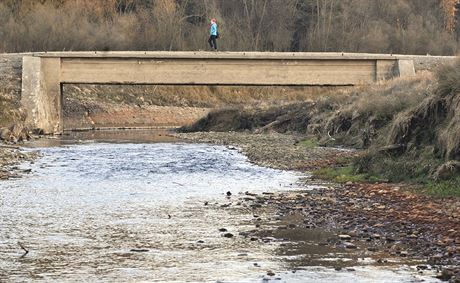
(126,116)
(382,221)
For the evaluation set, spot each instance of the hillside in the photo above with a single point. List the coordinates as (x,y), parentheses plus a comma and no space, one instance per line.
(382,26)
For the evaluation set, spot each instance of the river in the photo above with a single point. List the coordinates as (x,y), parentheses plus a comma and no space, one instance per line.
(143,208)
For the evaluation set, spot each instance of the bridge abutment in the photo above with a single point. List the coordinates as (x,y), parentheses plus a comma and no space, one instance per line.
(41,93)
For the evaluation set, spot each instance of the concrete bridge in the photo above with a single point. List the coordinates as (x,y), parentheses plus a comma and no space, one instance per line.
(44,74)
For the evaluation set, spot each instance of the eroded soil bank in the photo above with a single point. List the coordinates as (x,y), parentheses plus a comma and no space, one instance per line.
(386,222)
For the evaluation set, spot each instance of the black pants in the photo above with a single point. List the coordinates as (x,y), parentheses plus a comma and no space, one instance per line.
(213,41)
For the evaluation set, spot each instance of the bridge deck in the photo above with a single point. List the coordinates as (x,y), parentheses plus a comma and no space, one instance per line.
(231,55)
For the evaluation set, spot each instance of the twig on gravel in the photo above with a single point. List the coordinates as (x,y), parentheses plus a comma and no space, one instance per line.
(26,251)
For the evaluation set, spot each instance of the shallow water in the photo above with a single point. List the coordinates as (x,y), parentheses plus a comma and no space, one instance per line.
(136,212)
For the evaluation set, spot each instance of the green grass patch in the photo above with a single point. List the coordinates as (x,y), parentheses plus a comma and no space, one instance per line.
(444,189)
(310,143)
(344,175)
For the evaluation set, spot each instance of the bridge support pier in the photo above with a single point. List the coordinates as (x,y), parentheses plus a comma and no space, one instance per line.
(41,93)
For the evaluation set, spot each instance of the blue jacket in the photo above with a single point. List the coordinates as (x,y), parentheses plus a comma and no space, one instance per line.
(214,29)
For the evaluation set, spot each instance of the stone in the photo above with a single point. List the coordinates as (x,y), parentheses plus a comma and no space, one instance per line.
(349,245)
(345,237)
(228,235)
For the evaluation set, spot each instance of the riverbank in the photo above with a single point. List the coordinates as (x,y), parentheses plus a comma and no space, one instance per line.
(10,158)
(384,221)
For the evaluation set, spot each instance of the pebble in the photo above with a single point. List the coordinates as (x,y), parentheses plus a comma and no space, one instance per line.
(349,245)
(345,237)
(270,273)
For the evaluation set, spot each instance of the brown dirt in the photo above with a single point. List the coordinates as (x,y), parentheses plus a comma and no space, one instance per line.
(131,116)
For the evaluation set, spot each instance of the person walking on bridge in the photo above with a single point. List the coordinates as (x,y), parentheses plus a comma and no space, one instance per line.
(214,35)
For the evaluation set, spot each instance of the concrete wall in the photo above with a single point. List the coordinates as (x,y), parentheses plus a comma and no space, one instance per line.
(41,93)
(223,71)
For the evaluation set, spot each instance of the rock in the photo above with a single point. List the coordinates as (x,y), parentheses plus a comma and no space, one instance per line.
(446,275)
(200,242)
(349,245)
(345,237)
(228,235)
(223,230)
(422,267)
(229,194)
(270,273)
